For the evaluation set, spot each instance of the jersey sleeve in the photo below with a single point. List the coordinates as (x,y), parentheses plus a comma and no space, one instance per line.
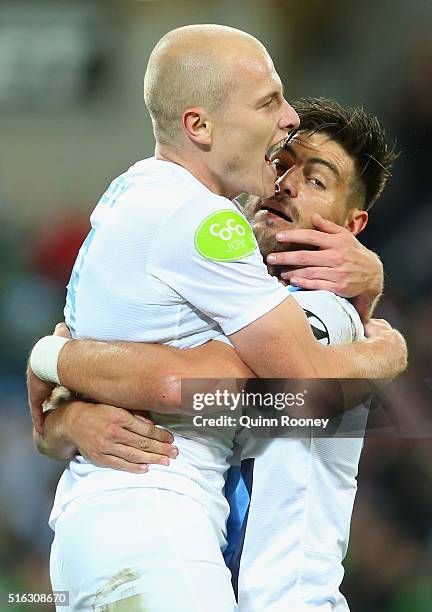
(207,253)
(333,319)
(356,323)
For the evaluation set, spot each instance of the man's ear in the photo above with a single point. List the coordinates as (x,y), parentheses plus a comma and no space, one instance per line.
(197,125)
(356,221)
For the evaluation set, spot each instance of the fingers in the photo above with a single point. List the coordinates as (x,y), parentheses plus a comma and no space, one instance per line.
(147,445)
(134,455)
(312,273)
(117,463)
(314,284)
(119,418)
(146,428)
(112,437)
(327,257)
(325,225)
(317,278)
(127,459)
(306,236)
(141,417)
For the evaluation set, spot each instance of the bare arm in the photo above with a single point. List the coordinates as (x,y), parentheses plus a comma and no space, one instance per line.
(281,344)
(143,376)
(134,376)
(112,437)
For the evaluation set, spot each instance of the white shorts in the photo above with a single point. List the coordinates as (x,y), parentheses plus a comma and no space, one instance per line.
(141,550)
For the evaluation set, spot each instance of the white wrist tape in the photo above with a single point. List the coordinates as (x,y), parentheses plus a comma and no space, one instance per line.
(44,357)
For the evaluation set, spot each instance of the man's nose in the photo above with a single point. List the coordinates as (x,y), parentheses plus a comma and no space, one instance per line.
(289,119)
(287,183)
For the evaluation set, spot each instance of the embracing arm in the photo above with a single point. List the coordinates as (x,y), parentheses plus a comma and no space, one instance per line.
(281,344)
(142,376)
(124,372)
(135,376)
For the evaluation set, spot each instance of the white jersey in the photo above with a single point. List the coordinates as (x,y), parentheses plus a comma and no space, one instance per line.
(166,261)
(294,502)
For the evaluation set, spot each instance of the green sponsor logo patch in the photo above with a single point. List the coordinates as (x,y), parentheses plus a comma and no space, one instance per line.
(225,236)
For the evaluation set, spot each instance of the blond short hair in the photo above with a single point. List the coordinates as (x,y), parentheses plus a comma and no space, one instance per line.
(188,67)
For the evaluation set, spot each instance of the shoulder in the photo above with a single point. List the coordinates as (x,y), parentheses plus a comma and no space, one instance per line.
(336,317)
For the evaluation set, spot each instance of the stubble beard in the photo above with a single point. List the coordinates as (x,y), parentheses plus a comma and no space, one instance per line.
(266,230)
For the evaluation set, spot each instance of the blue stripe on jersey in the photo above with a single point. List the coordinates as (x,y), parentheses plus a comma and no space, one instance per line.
(116,189)
(238,491)
(70,308)
(238,499)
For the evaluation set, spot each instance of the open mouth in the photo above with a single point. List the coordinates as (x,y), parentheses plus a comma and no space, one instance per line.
(271,165)
(278,213)
(276,148)
(270,154)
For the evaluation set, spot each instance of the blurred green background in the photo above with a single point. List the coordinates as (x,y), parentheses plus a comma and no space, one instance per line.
(72,118)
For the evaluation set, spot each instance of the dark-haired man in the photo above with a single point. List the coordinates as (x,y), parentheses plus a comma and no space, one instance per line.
(300,489)
(364,142)
(318,172)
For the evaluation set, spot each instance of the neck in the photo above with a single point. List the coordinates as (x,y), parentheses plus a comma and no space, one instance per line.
(195,165)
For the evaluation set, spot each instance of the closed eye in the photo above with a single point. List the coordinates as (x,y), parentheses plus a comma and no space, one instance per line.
(269,102)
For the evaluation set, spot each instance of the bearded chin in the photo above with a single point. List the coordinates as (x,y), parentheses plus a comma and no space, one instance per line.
(268,244)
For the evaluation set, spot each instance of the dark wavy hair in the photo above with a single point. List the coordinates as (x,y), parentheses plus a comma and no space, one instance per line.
(361,136)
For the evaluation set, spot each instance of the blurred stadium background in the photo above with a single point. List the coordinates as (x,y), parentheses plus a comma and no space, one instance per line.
(72,118)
